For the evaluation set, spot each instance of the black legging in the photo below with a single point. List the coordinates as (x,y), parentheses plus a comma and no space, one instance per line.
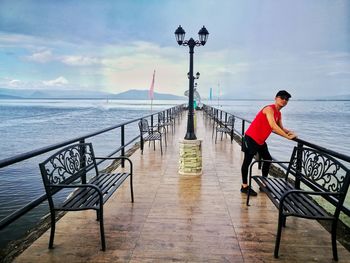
(248,157)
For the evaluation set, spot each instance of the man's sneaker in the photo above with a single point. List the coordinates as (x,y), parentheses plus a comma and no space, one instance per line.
(246,189)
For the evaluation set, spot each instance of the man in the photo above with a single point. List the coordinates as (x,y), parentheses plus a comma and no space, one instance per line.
(267,120)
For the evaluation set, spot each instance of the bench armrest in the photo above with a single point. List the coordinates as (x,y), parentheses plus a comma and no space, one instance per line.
(118,158)
(158,127)
(266,161)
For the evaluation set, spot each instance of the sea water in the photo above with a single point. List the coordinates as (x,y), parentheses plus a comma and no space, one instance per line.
(26,125)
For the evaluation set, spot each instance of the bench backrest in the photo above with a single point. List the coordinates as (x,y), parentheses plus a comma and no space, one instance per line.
(67,165)
(161,117)
(320,172)
(144,126)
(231,121)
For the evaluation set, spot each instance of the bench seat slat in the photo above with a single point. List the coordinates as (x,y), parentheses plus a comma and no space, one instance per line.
(87,198)
(303,206)
(295,204)
(82,195)
(152,137)
(275,188)
(223,129)
(108,187)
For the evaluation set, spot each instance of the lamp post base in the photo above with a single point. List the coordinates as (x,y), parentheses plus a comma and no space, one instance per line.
(190,162)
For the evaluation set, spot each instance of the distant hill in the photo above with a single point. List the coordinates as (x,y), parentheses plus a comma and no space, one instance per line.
(2,96)
(337,97)
(143,95)
(6,93)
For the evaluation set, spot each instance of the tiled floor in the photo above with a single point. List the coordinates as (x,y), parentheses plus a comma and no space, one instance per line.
(178,218)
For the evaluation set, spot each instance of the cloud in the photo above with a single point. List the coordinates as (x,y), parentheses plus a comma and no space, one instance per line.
(46,56)
(15,83)
(41,57)
(60,81)
(20,84)
(79,60)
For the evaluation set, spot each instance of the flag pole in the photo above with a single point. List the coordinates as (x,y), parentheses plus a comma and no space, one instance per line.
(151,90)
(218,94)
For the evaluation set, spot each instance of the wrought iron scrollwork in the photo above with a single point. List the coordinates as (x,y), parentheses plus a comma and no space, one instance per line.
(68,162)
(321,169)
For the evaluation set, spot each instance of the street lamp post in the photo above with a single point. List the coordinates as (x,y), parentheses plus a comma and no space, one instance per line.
(191,43)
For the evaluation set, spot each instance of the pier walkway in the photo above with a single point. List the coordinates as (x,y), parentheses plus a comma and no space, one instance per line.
(178,218)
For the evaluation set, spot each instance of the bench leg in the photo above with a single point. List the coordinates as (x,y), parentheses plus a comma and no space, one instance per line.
(141,145)
(281,219)
(131,189)
(248,197)
(53,227)
(102,231)
(334,239)
(160,142)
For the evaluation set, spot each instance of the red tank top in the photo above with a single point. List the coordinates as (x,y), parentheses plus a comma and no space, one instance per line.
(260,128)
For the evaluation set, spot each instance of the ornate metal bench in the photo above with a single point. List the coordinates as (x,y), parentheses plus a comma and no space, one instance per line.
(225,127)
(316,174)
(163,122)
(149,133)
(67,170)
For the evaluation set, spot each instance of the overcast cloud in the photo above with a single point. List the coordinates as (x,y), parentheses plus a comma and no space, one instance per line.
(254,48)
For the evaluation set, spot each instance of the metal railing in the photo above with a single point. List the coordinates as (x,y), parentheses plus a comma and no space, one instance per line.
(222,116)
(167,113)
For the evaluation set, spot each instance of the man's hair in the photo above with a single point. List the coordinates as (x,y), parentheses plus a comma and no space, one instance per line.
(283,93)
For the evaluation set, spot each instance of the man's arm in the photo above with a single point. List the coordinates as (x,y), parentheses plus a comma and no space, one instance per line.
(268,111)
(279,123)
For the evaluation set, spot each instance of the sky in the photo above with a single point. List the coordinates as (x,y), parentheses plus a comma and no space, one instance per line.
(254,49)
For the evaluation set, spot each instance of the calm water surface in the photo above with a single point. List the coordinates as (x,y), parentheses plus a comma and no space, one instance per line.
(26,125)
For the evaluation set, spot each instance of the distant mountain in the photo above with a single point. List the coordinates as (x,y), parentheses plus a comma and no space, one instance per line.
(82,94)
(2,96)
(337,97)
(143,95)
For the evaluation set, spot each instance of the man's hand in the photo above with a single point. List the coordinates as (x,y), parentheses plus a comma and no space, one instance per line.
(291,135)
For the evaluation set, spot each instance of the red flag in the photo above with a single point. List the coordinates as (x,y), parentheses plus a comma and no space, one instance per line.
(151,90)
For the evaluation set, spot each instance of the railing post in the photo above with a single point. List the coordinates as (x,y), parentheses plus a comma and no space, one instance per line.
(298,165)
(82,162)
(122,144)
(152,121)
(141,136)
(242,139)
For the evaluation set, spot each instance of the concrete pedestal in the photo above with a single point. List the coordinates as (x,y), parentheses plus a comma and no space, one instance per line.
(190,162)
